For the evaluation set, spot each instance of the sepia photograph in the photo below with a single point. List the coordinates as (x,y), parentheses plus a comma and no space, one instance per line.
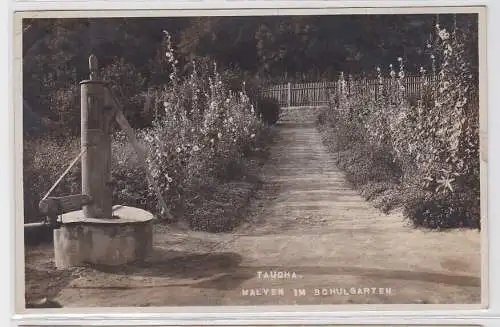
(323,158)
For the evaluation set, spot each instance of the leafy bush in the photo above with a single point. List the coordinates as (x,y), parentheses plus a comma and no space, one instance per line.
(128,175)
(443,211)
(204,133)
(44,160)
(268,110)
(128,85)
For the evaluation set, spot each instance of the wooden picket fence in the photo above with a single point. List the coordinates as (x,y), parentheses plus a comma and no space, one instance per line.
(318,93)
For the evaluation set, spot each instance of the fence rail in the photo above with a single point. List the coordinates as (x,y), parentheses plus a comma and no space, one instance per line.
(317,93)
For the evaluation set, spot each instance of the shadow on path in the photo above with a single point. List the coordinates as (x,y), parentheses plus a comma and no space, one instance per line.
(223,271)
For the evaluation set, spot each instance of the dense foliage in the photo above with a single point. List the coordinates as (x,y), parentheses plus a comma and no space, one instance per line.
(204,131)
(268,109)
(431,145)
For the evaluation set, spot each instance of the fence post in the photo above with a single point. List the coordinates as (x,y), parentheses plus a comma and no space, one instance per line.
(289,95)
(95,139)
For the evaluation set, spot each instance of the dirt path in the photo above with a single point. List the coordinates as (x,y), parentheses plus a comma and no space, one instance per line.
(307,223)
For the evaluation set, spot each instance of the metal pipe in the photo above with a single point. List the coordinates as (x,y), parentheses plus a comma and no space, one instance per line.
(35,225)
(38,233)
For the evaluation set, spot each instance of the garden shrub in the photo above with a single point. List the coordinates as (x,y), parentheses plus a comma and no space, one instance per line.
(268,110)
(443,211)
(44,160)
(202,137)
(128,85)
(128,175)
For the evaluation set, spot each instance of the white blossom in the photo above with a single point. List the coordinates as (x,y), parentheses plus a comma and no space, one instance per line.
(443,34)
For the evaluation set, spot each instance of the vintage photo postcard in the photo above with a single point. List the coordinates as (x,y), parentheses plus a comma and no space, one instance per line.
(184,159)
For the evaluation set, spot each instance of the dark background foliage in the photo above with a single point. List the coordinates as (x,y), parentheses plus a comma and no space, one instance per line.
(276,48)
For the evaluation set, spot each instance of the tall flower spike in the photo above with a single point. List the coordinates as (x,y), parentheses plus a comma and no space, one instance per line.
(433,62)
(194,67)
(392,73)
(380,81)
(401,68)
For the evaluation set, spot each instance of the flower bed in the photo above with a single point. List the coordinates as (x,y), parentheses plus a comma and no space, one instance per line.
(426,147)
